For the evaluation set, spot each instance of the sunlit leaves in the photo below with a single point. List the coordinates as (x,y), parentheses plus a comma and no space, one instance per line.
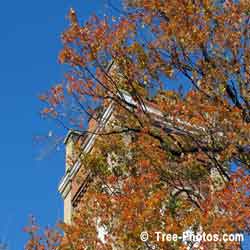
(163,161)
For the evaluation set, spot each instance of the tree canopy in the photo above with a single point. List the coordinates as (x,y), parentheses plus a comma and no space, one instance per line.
(186,163)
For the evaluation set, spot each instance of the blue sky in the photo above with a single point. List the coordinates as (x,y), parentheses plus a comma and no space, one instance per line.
(29,45)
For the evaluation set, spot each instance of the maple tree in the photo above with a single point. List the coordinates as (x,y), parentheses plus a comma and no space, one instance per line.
(171,168)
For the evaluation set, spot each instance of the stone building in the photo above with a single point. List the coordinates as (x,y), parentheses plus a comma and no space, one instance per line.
(74,184)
